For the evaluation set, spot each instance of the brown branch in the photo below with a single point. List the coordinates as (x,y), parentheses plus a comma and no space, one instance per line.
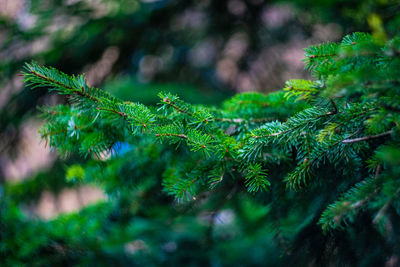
(334,105)
(349,141)
(122,114)
(325,55)
(81,92)
(240,120)
(75,90)
(273,134)
(168,101)
(378,171)
(220,179)
(171,134)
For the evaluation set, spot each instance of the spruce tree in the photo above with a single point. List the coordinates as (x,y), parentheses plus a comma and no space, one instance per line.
(319,160)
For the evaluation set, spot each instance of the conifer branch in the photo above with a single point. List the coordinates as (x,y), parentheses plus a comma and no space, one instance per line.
(274,134)
(171,134)
(349,141)
(172,104)
(308,136)
(322,55)
(79,91)
(307,121)
(122,114)
(241,120)
(382,211)
(335,108)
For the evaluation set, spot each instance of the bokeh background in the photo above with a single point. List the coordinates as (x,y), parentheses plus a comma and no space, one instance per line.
(203,50)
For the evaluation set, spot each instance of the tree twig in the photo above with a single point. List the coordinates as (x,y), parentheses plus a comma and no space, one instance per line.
(364,138)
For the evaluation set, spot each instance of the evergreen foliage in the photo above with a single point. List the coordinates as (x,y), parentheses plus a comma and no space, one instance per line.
(337,134)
